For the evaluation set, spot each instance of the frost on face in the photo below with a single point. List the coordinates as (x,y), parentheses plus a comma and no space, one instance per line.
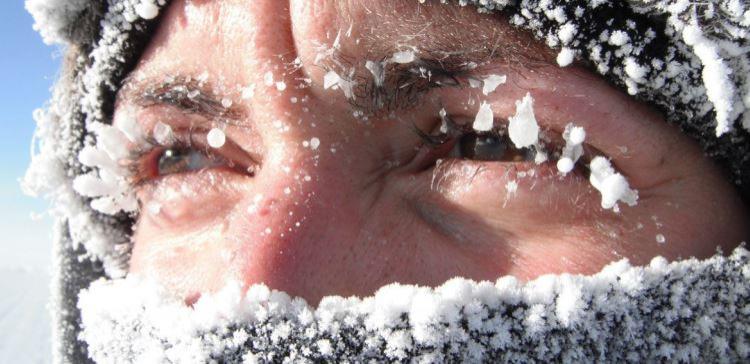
(330,79)
(216,138)
(314,143)
(163,133)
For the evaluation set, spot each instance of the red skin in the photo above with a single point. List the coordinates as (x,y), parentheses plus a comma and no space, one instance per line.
(360,222)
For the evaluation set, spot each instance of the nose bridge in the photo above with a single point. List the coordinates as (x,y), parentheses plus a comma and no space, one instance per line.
(286,219)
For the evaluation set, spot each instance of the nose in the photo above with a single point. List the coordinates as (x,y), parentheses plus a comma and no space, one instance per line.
(318,216)
(297,223)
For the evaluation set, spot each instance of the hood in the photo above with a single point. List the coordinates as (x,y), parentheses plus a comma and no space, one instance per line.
(690,60)
(689,311)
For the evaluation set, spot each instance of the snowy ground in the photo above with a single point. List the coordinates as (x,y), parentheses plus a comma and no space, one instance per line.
(24,321)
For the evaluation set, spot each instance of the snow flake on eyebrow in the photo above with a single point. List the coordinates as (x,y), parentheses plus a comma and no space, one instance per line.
(403,57)
(226,102)
(163,133)
(377,69)
(618,38)
(330,79)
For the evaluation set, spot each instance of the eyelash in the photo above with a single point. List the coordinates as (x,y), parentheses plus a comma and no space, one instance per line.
(144,163)
(456,132)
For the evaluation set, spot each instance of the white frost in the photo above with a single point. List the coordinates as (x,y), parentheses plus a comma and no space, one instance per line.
(216,138)
(314,143)
(331,79)
(146,9)
(523,128)
(268,78)
(491,82)
(483,120)
(403,57)
(612,185)
(565,57)
(565,165)
(574,137)
(377,70)
(163,133)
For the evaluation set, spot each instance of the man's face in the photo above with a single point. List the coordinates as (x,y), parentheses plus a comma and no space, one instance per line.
(320,190)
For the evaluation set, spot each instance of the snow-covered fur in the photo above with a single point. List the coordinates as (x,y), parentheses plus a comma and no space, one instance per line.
(688,58)
(688,311)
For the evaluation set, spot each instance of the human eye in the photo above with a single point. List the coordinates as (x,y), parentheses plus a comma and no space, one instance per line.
(461,141)
(186,151)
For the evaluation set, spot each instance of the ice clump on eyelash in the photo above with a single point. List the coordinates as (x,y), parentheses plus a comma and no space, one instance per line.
(574,137)
(483,121)
(491,82)
(612,185)
(216,138)
(523,129)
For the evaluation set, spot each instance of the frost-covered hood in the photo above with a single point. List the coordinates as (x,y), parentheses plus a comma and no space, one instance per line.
(689,311)
(689,59)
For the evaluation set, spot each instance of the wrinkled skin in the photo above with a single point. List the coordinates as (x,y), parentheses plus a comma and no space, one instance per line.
(375,208)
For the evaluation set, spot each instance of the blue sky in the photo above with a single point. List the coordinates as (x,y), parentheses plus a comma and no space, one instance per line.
(28,68)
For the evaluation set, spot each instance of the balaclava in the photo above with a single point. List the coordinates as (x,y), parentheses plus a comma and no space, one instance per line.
(689,59)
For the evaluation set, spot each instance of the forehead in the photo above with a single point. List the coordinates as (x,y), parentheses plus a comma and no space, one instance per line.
(235,39)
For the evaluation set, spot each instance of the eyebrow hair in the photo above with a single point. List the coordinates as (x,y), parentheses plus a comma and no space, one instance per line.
(186,93)
(448,58)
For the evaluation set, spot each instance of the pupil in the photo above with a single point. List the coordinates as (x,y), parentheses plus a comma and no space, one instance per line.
(172,161)
(483,147)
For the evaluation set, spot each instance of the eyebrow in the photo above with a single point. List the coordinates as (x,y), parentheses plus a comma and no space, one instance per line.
(450,58)
(186,93)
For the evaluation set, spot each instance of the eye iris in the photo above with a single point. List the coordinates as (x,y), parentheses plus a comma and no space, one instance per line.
(483,147)
(182,160)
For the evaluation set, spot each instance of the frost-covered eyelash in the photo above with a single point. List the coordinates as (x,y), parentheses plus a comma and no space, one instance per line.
(551,145)
(450,129)
(138,159)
